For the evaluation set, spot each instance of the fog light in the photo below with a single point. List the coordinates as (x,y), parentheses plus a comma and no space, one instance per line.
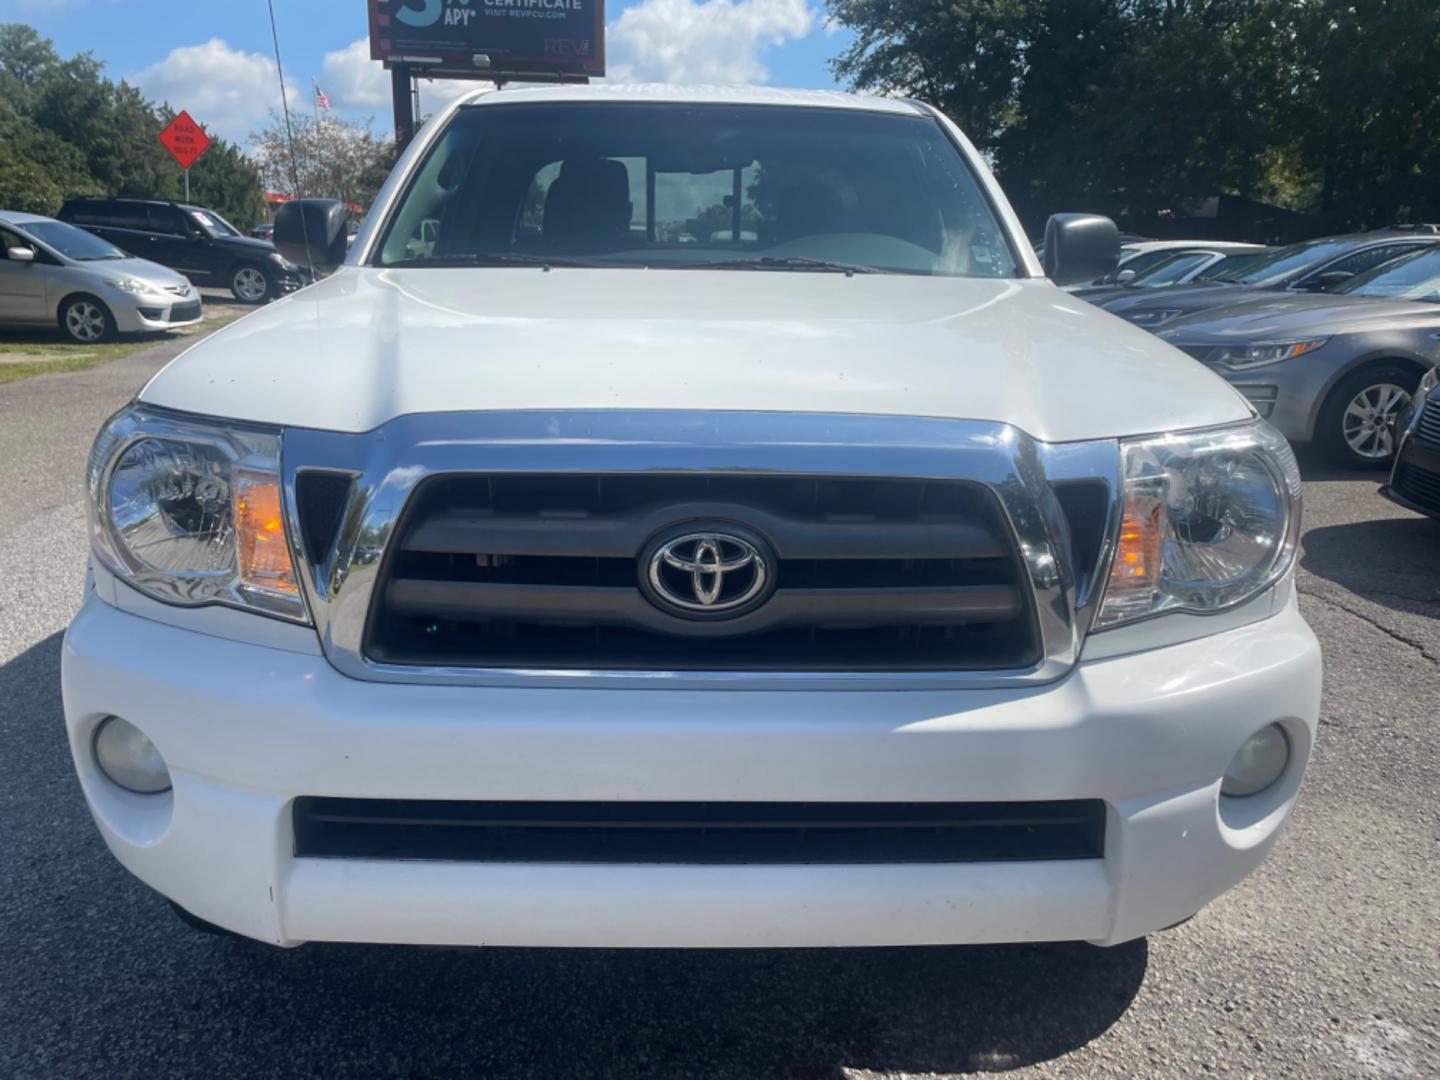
(130,759)
(1259,762)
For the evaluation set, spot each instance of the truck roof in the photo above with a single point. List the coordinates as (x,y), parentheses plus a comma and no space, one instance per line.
(695,95)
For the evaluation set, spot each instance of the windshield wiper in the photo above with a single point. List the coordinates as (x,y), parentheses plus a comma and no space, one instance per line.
(495,258)
(778,262)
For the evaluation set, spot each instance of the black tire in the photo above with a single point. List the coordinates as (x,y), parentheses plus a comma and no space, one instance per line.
(1356,424)
(251,283)
(85,320)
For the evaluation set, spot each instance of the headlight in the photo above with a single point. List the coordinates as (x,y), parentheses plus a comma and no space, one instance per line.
(1157,317)
(131,285)
(1211,518)
(190,512)
(1428,382)
(1270,352)
(280,261)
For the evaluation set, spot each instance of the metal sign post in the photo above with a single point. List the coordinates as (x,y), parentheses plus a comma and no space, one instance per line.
(404,103)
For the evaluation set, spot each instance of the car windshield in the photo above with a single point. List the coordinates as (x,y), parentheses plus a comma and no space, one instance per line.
(71,242)
(1230,264)
(696,187)
(1283,262)
(1411,277)
(213,223)
(1170,271)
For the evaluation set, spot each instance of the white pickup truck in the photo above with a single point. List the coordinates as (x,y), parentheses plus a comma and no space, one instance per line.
(690,518)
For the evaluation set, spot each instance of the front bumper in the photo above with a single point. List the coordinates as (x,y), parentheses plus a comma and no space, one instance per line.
(145,314)
(246,729)
(1287,394)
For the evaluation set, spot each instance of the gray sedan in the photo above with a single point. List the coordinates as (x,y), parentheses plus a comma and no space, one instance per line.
(1313,266)
(54,274)
(1332,368)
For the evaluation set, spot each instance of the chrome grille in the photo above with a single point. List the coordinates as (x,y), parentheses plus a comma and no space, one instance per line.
(1054,506)
(1418,485)
(548,571)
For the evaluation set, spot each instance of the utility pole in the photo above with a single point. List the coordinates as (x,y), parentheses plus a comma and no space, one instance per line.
(404,104)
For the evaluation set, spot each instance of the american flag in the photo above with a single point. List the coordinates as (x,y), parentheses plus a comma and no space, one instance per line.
(320,99)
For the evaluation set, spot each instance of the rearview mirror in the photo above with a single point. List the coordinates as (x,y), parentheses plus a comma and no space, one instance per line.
(1080,247)
(20,254)
(311,232)
(1327,280)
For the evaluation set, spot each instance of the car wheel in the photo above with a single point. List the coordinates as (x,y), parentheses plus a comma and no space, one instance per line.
(86,321)
(251,285)
(1357,424)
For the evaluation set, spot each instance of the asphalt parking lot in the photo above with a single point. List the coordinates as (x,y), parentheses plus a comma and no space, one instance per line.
(1325,964)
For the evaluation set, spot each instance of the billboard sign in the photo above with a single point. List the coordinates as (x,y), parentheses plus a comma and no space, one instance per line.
(490,38)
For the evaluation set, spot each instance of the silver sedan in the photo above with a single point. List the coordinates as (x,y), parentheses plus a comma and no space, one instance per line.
(1330,368)
(54,274)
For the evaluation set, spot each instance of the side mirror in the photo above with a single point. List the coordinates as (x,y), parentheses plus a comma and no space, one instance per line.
(20,254)
(1123,276)
(311,232)
(1080,247)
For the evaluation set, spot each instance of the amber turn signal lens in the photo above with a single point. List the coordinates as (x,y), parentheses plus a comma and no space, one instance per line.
(263,553)
(1137,554)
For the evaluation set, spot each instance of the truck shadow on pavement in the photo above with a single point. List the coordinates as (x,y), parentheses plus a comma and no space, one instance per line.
(1394,562)
(101,979)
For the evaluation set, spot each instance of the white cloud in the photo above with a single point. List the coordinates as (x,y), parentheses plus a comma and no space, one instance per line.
(354,81)
(226,90)
(710,41)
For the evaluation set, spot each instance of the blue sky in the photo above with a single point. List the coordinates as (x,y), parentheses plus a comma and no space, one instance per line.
(214,57)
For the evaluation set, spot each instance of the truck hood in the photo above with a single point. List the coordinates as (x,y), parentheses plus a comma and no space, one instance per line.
(1294,316)
(367,345)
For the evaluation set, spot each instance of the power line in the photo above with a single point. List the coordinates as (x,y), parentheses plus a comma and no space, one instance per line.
(289,132)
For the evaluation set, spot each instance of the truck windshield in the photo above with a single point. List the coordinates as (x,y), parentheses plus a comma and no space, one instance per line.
(687,186)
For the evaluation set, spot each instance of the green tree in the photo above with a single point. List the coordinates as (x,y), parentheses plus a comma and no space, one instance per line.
(1368,105)
(334,158)
(37,170)
(67,130)
(1135,106)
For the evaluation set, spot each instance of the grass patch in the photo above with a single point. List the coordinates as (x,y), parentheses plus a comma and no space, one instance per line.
(54,354)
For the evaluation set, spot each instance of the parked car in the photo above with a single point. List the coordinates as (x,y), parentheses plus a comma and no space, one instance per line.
(613,590)
(198,242)
(264,231)
(53,274)
(1139,256)
(1334,368)
(1312,266)
(1176,268)
(1415,479)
